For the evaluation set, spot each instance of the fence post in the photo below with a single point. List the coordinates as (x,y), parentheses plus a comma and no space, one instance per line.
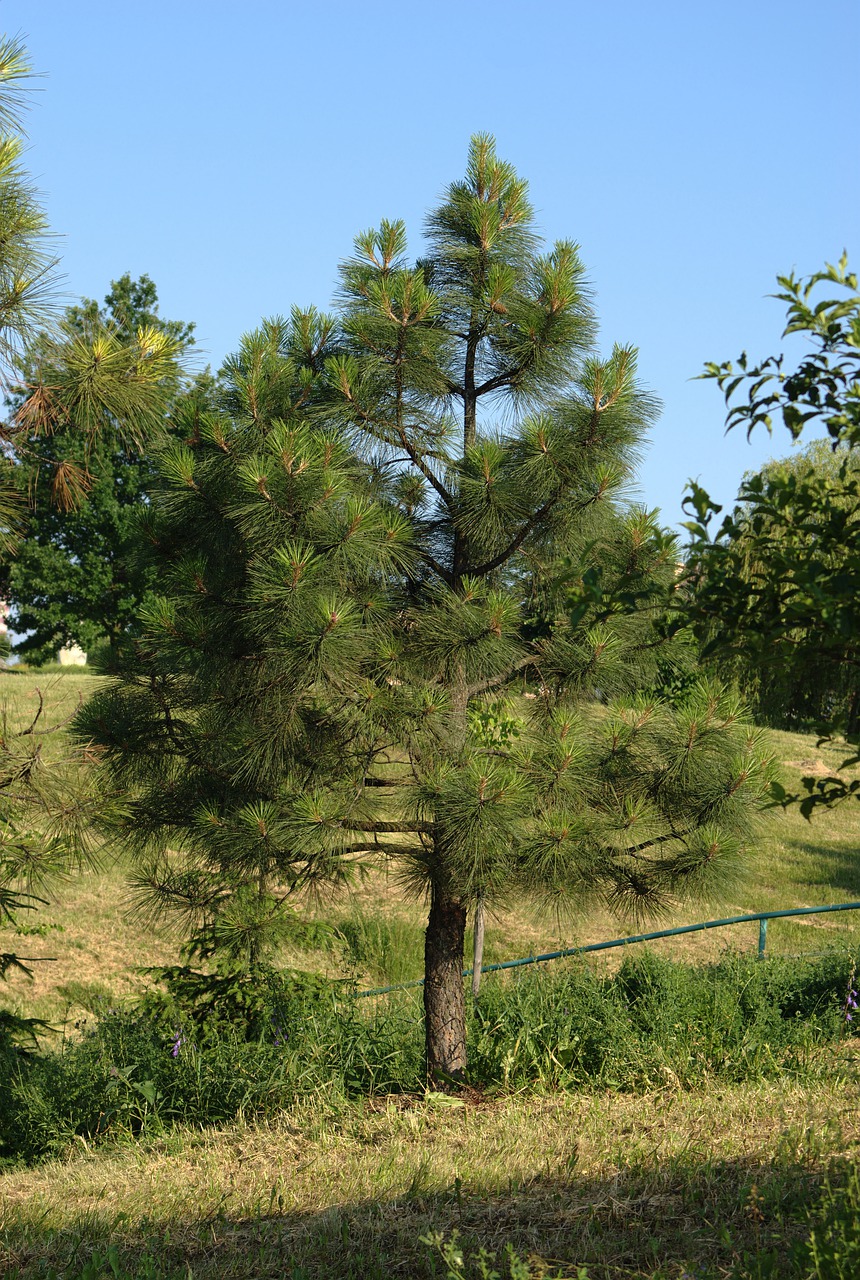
(762,936)
(478,944)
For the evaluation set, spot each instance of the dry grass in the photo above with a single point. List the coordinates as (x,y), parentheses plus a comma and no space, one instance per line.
(626,1185)
(86,949)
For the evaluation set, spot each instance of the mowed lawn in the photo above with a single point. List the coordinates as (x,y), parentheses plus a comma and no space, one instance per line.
(91,951)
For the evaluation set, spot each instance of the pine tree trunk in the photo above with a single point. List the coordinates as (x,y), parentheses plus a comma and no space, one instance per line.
(444,998)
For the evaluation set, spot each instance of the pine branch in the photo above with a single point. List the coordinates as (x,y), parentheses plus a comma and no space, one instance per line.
(372,847)
(357,824)
(426,471)
(517,541)
(445,574)
(54,728)
(413,454)
(634,850)
(531,659)
(500,380)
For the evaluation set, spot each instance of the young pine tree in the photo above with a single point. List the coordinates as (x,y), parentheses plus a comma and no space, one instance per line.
(359,558)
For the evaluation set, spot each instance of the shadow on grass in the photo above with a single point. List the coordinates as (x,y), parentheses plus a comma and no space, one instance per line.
(835,868)
(674,1219)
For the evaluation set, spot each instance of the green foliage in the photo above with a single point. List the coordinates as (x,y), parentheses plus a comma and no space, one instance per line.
(90,406)
(462,1264)
(776,584)
(391,948)
(263,1002)
(356,563)
(833,1249)
(782,506)
(203,1052)
(823,389)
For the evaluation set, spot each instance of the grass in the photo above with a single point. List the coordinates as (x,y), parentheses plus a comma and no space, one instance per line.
(663,1184)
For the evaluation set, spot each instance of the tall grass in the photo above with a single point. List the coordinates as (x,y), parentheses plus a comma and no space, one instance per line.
(653,1023)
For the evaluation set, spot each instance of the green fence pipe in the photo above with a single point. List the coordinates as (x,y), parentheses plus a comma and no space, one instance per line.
(761,916)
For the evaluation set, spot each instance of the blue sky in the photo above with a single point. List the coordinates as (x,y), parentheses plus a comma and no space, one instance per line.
(233,151)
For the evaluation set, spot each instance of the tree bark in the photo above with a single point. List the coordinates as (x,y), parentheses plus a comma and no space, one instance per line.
(444,998)
(478,946)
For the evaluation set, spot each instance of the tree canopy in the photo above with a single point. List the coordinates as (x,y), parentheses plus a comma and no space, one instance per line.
(807,687)
(84,467)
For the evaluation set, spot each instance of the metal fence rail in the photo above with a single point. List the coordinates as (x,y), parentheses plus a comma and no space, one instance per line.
(761,916)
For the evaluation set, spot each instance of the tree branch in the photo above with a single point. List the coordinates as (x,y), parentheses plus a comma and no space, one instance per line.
(530,659)
(358,824)
(434,564)
(516,542)
(372,847)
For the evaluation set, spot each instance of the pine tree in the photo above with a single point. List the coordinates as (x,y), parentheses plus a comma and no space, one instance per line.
(27,267)
(358,564)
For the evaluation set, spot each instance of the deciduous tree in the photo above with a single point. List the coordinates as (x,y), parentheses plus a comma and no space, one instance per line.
(83,465)
(776,582)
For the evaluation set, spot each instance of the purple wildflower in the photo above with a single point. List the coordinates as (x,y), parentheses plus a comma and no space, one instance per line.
(176,1044)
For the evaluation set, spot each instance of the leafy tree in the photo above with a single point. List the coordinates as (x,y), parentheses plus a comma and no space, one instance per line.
(801,689)
(357,564)
(776,583)
(76,578)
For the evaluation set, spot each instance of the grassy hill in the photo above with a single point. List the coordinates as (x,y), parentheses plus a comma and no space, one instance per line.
(97,950)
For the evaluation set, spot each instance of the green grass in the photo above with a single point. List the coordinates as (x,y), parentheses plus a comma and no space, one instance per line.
(653,1023)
